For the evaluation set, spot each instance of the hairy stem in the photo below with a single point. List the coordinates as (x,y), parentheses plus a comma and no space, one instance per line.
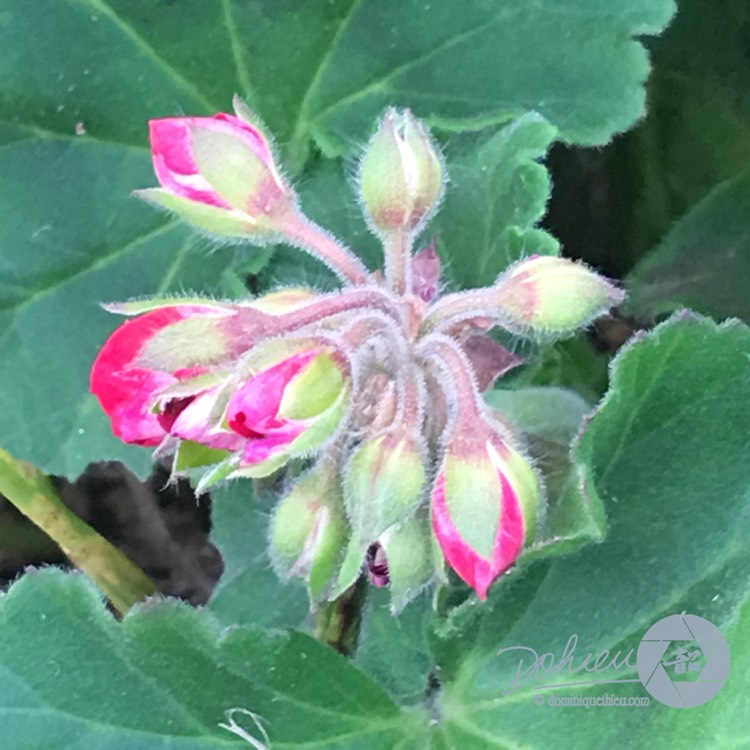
(453,308)
(446,355)
(373,298)
(313,239)
(398,260)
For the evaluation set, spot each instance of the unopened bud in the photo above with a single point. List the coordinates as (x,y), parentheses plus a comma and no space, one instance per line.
(290,405)
(551,295)
(219,174)
(406,551)
(384,483)
(401,175)
(309,530)
(484,506)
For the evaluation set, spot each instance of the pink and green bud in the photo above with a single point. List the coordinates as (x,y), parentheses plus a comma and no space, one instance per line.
(384,482)
(309,530)
(128,376)
(484,505)
(219,174)
(288,408)
(401,175)
(552,296)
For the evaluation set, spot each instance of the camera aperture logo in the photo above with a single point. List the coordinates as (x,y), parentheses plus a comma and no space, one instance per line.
(682,661)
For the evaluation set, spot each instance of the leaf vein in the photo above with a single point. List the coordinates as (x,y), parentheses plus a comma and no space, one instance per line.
(120,23)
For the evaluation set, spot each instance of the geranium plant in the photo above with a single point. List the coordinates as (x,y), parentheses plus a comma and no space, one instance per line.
(325,440)
(379,384)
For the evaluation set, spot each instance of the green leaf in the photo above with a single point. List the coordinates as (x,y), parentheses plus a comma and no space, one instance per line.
(696,135)
(703,263)
(496,194)
(429,57)
(167,676)
(71,238)
(551,414)
(326,70)
(668,453)
(394,649)
(249,591)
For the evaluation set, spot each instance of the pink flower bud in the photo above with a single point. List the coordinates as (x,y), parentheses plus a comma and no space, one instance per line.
(219,174)
(127,386)
(552,296)
(288,408)
(401,175)
(484,505)
(376,566)
(426,273)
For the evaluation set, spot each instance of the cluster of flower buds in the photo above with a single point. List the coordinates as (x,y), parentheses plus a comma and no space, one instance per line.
(377,387)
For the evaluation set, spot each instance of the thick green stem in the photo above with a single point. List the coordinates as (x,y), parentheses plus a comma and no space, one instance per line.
(31,491)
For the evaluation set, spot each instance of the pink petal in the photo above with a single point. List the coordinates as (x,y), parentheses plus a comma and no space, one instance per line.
(478,571)
(194,422)
(262,448)
(254,407)
(126,392)
(171,411)
(377,566)
(132,418)
(175,167)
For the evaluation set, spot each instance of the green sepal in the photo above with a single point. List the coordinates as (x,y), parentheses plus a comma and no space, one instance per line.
(473,497)
(351,568)
(199,341)
(140,306)
(309,530)
(239,176)
(263,469)
(191,455)
(218,222)
(317,388)
(408,550)
(321,428)
(217,474)
(384,483)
